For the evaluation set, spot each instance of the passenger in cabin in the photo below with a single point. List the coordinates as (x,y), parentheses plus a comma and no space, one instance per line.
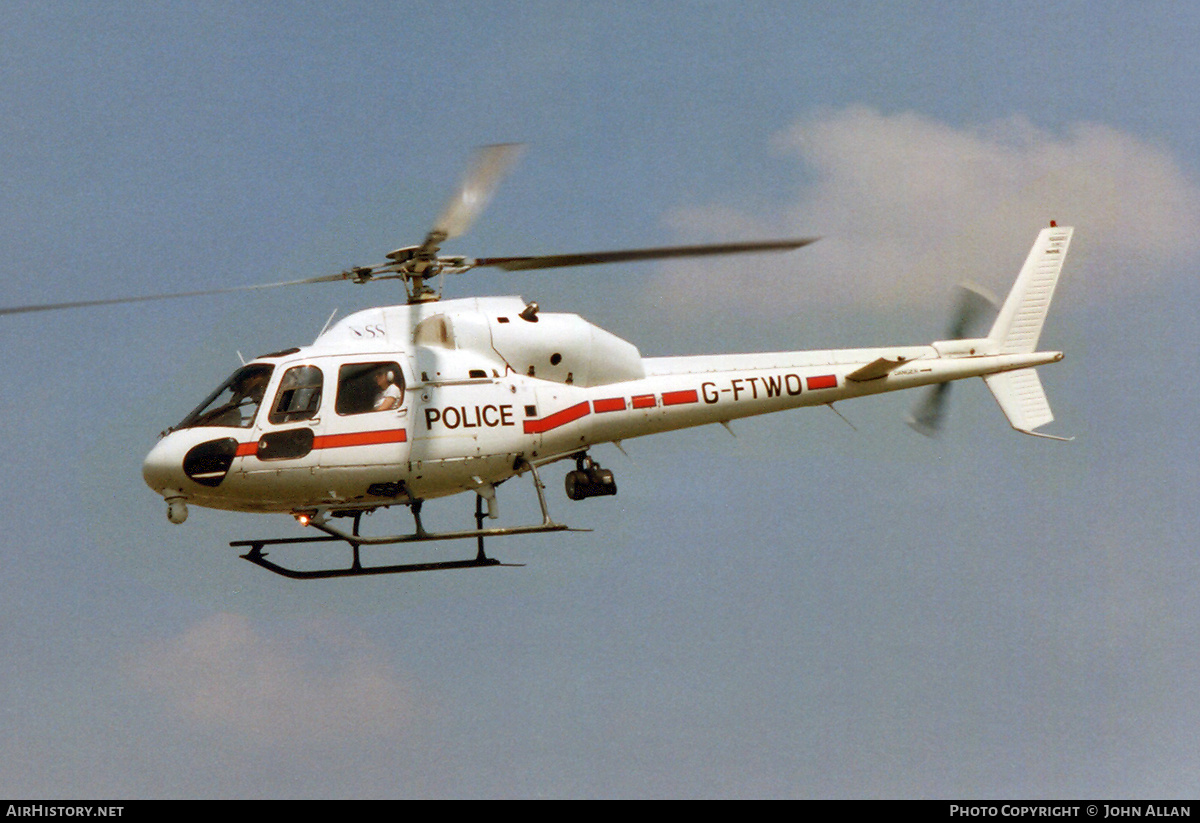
(389,393)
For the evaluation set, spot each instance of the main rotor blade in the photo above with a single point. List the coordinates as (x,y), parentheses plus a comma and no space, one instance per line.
(78,304)
(488,168)
(553,261)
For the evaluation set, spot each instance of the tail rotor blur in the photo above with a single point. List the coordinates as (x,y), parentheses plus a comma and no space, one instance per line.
(973,311)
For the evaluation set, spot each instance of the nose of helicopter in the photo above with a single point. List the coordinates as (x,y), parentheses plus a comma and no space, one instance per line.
(163,467)
(164,472)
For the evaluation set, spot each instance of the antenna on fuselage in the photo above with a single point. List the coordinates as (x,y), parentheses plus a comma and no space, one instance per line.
(327,322)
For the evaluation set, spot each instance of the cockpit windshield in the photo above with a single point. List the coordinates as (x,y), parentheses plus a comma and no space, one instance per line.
(236,402)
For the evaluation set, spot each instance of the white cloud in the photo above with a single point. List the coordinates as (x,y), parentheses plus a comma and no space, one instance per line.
(225,676)
(908,206)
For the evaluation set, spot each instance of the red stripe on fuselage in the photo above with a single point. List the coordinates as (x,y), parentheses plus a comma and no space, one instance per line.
(643,401)
(676,398)
(825,381)
(610,404)
(338,441)
(559,418)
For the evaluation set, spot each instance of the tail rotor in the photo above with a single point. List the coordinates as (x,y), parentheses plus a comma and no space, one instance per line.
(973,311)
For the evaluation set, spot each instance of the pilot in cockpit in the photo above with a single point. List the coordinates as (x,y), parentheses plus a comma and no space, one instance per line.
(390,396)
(248,394)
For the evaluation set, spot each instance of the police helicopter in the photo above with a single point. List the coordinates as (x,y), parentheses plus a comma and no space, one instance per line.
(397,405)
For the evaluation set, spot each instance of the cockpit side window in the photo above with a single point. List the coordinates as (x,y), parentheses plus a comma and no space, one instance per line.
(369,387)
(236,402)
(299,395)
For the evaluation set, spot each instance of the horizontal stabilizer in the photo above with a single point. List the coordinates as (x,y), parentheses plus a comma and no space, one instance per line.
(875,369)
(1023,400)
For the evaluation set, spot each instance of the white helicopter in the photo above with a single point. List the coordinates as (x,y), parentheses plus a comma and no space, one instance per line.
(396,405)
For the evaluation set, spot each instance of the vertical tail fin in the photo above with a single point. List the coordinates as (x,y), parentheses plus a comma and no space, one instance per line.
(1019,324)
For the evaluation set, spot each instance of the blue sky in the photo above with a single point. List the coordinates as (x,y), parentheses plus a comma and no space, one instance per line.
(804,610)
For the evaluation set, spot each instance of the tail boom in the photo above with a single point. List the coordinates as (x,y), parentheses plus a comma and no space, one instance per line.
(681,392)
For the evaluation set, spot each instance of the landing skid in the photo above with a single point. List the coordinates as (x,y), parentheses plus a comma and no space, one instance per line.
(258,557)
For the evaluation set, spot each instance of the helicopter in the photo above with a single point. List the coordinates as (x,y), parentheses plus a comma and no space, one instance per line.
(398,405)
